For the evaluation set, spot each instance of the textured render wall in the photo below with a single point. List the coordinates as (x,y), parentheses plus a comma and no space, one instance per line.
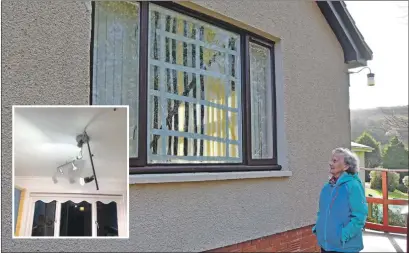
(46,61)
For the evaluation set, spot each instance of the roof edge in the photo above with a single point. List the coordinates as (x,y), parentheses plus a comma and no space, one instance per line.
(356,50)
(361,147)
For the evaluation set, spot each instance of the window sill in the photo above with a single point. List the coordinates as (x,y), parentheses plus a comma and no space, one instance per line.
(204,176)
(195,168)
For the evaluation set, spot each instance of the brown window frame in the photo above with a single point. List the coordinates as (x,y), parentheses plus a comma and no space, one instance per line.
(139,165)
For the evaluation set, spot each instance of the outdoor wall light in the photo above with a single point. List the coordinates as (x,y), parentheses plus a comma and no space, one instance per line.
(86,180)
(371,79)
(370,76)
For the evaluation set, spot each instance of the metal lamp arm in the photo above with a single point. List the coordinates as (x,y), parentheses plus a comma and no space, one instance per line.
(351,72)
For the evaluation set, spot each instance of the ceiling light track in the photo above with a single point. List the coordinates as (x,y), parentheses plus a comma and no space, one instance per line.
(81,140)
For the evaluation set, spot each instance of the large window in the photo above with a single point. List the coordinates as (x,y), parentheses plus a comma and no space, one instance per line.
(201,93)
(56,215)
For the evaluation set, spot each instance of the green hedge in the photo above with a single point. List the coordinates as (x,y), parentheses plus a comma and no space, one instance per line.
(376,180)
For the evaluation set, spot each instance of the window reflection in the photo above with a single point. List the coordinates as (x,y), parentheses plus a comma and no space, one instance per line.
(76,219)
(107,219)
(44,217)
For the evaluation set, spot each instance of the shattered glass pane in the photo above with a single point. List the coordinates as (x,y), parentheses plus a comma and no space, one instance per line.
(116,60)
(193,107)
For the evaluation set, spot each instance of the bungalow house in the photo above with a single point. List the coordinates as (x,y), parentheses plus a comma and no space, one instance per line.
(234,109)
(360,150)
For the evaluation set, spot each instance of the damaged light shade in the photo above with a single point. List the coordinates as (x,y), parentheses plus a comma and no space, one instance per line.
(69,170)
(72,167)
(81,140)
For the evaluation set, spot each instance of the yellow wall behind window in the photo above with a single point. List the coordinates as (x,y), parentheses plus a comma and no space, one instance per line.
(215,119)
(17,232)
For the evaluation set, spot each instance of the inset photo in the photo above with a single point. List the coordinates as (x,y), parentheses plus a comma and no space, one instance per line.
(70,172)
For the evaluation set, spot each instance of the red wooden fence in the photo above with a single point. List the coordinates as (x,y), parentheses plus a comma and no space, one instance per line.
(385,201)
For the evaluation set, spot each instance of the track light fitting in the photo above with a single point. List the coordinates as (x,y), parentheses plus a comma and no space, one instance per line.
(86,180)
(81,139)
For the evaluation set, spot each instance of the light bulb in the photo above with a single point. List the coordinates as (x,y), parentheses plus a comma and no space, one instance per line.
(79,154)
(74,167)
(86,180)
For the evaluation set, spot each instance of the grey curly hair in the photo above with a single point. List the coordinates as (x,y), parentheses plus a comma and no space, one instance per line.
(350,159)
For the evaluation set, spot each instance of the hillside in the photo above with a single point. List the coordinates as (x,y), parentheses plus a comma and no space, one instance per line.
(382,123)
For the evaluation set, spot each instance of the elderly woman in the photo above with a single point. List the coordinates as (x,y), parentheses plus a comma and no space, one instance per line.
(342,208)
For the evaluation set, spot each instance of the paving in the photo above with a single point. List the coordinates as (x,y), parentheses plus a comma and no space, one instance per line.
(375,241)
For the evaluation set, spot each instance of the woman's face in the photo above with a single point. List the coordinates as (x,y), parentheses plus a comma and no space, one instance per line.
(337,165)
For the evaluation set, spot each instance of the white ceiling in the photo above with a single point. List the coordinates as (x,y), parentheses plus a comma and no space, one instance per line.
(45,137)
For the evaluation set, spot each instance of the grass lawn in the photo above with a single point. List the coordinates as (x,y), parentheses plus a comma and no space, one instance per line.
(392,195)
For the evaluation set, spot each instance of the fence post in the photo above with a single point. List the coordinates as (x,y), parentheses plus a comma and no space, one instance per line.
(385,198)
(362,176)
